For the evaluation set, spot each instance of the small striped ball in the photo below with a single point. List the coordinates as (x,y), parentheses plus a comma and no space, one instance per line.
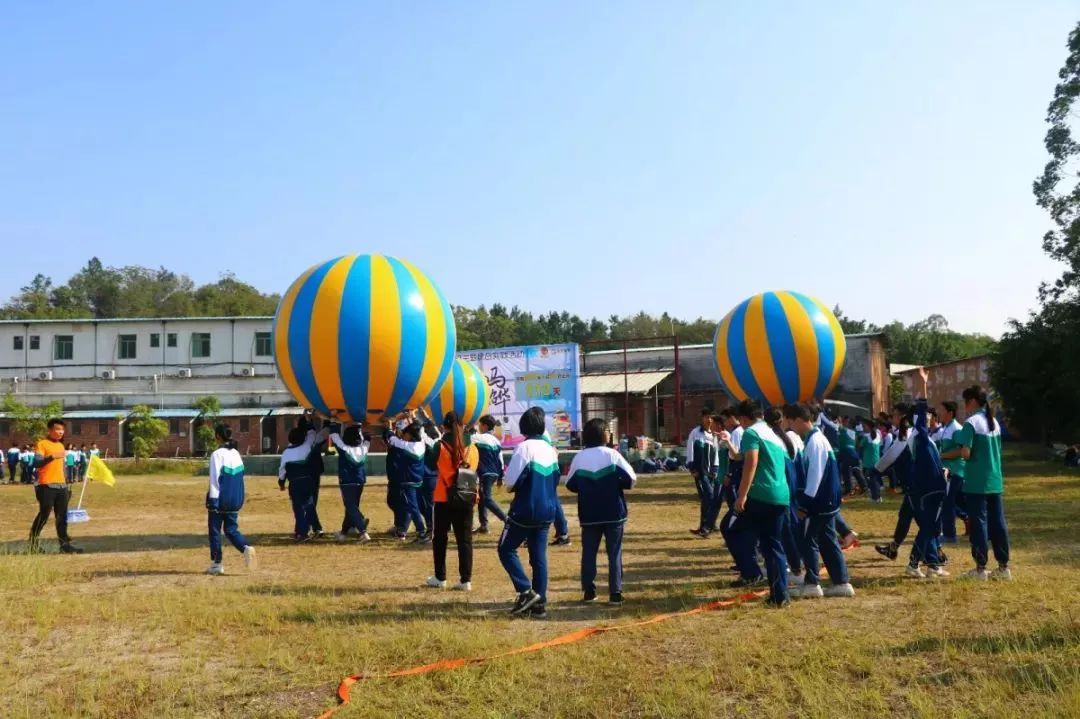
(367,335)
(466,393)
(779,347)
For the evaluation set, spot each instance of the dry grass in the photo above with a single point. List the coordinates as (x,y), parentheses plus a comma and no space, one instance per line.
(133,628)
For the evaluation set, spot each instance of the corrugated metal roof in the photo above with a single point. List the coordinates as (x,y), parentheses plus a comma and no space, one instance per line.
(91,320)
(636,383)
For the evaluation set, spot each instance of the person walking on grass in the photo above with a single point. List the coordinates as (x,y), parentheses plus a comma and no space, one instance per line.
(984,485)
(599,476)
(702,459)
(454,501)
(492,471)
(225,499)
(352,450)
(532,477)
(51,491)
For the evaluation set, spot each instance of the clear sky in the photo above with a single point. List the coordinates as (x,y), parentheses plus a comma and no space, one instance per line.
(595,157)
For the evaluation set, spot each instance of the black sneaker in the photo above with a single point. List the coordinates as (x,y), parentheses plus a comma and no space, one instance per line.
(886,550)
(424,538)
(942,559)
(590,595)
(563,541)
(615,598)
(70,549)
(700,533)
(301,537)
(524,602)
(744,583)
(482,529)
(538,611)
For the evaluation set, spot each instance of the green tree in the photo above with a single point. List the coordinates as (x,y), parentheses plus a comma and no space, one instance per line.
(147,431)
(208,407)
(28,420)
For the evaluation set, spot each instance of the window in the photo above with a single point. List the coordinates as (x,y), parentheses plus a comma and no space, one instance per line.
(76,427)
(5,428)
(170,339)
(174,426)
(245,424)
(63,347)
(155,339)
(18,343)
(35,342)
(126,346)
(262,344)
(200,344)
(102,428)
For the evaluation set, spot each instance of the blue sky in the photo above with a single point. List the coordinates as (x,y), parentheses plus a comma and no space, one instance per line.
(595,157)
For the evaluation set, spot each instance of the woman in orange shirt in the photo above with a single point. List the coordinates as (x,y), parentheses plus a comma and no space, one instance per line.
(450,510)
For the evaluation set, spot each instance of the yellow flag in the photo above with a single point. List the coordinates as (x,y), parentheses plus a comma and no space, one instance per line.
(98,471)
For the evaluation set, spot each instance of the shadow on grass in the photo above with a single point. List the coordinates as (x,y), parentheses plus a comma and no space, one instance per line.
(1048,636)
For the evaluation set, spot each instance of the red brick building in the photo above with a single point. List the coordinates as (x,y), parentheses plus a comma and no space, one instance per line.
(948,380)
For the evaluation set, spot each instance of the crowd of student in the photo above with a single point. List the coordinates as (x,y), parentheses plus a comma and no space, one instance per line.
(778,476)
(21,466)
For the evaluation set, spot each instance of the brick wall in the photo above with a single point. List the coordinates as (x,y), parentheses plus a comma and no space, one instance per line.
(948,381)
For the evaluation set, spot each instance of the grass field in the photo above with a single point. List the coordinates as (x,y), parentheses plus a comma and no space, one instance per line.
(133,628)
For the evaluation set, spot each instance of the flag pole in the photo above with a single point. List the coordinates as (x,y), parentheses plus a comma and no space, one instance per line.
(86,481)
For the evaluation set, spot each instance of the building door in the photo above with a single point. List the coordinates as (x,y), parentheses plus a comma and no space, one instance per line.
(269,435)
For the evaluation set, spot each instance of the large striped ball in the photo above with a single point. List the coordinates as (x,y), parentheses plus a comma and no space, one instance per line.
(367,335)
(466,393)
(779,347)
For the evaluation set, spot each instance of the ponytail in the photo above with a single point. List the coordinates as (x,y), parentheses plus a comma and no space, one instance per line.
(454,438)
(224,434)
(772,418)
(977,394)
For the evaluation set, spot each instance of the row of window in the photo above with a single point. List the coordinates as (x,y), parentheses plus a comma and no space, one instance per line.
(74,428)
(176,425)
(127,345)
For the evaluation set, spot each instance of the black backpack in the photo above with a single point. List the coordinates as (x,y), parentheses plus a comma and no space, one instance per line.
(465,488)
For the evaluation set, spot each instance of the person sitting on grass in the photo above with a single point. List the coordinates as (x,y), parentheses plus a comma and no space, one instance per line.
(225,499)
(532,477)
(599,476)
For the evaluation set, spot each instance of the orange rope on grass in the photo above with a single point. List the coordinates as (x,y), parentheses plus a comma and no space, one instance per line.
(571,638)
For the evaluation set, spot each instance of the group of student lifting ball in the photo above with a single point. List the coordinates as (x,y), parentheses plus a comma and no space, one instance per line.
(781,473)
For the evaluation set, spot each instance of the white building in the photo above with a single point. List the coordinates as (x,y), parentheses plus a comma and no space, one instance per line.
(118,363)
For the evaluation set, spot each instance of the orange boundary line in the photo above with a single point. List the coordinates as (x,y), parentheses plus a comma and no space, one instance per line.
(575,636)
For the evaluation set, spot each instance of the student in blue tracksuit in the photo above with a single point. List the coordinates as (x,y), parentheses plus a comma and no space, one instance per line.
(532,477)
(410,451)
(352,450)
(29,471)
(701,459)
(819,503)
(868,446)
(13,455)
(491,471)
(599,476)
(225,499)
(793,448)
(898,459)
(927,490)
(297,469)
(425,496)
(953,459)
(562,527)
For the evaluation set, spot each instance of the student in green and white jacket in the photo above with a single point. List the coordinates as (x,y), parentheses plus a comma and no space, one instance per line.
(984,485)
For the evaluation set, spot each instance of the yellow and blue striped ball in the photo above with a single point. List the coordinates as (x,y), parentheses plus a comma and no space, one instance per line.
(779,347)
(367,335)
(466,393)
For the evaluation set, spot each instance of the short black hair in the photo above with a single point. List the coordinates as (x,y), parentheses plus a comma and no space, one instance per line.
(223,432)
(797,411)
(532,423)
(949,406)
(592,434)
(297,435)
(55,421)
(352,435)
(727,412)
(749,408)
(487,420)
(706,413)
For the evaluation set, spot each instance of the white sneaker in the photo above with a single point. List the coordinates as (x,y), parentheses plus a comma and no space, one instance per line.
(807,591)
(978,573)
(216,569)
(1002,574)
(341,536)
(462,587)
(914,572)
(365,537)
(840,590)
(435,583)
(249,558)
(936,572)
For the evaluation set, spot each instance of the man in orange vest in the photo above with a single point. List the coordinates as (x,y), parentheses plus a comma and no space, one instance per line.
(52,490)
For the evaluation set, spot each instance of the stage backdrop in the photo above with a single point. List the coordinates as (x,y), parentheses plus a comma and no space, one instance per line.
(523,377)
